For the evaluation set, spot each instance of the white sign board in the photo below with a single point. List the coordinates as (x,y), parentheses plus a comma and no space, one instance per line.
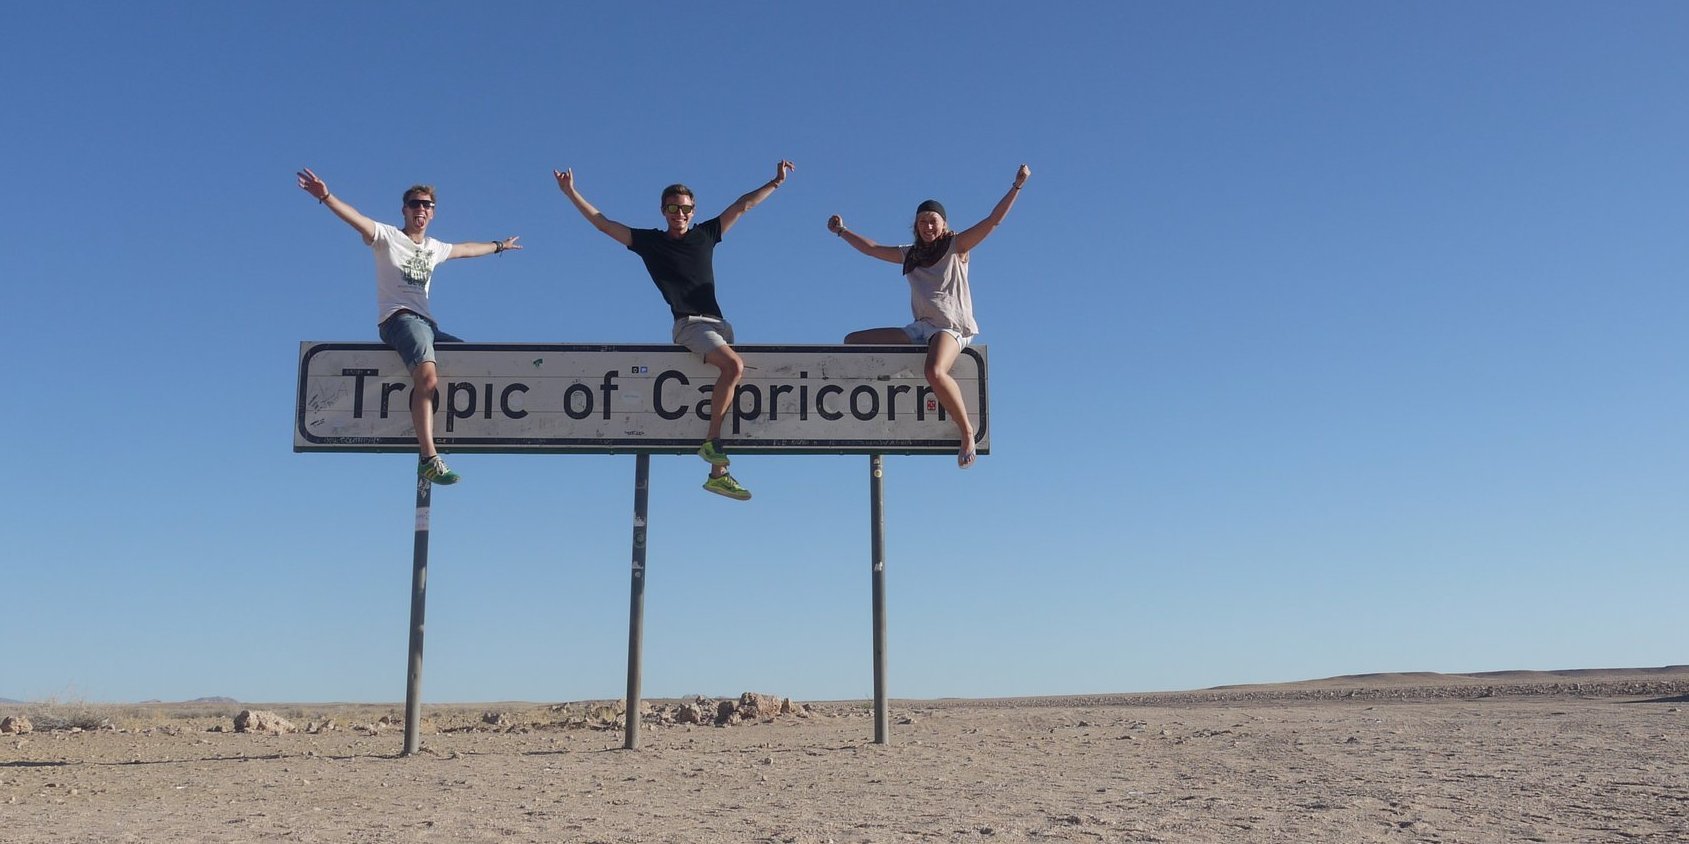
(571,398)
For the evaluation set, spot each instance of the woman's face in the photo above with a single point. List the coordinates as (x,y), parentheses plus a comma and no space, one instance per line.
(929,226)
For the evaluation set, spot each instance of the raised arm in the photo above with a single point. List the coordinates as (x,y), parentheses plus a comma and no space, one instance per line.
(966,241)
(835,224)
(755,197)
(566,183)
(318,189)
(477,249)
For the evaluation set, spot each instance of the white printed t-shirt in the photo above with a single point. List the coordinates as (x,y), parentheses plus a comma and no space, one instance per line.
(403,270)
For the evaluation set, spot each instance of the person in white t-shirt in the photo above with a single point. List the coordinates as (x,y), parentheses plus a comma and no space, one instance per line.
(404,267)
(936,266)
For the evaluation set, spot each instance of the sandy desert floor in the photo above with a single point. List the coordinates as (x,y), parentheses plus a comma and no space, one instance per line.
(1508,757)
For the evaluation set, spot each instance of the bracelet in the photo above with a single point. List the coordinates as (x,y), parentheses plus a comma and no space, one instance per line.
(324,200)
(841,231)
(498,246)
(1014,187)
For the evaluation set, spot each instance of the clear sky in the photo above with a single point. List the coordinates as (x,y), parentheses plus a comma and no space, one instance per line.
(1326,338)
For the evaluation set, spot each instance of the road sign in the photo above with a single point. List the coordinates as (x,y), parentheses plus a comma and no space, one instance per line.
(573,398)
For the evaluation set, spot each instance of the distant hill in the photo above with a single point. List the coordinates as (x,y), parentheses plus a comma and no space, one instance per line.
(1669,682)
(220,700)
(1414,678)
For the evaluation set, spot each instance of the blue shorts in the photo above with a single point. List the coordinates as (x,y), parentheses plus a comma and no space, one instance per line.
(413,337)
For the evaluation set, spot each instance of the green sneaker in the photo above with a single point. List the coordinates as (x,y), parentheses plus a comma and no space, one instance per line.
(724,484)
(434,470)
(714,455)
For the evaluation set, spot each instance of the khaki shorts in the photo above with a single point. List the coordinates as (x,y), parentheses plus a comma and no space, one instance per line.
(702,335)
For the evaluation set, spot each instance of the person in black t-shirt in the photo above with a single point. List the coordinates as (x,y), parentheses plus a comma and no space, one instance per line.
(681,261)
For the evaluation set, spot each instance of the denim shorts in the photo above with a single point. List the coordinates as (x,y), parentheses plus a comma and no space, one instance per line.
(413,337)
(923,332)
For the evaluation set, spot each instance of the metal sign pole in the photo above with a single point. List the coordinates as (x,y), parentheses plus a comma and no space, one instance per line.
(419,601)
(636,598)
(877,520)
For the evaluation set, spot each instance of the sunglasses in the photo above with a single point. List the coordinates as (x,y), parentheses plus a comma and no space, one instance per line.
(672,208)
(414,204)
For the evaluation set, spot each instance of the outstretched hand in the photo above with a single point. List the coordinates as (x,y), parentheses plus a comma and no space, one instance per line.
(1022,175)
(309,183)
(835,224)
(780,171)
(565,179)
(509,243)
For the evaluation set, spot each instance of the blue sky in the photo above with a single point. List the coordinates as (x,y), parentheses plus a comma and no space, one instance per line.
(1326,338)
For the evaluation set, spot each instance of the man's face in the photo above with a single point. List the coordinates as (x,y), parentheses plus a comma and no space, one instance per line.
(419,211)
(677,210)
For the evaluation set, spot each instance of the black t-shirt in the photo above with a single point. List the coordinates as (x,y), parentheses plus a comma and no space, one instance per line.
(683,269)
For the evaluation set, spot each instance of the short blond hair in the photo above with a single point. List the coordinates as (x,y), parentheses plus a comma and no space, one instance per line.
(420,189)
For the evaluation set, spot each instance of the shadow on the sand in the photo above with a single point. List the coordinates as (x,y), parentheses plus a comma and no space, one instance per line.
(1673,699)
(192,760)
(577,751)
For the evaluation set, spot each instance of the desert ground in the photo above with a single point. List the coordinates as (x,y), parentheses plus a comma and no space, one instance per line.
(1593,755)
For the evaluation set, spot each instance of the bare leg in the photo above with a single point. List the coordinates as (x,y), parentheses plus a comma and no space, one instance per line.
(726,384)
(878,337)
(941,355)
(424,380)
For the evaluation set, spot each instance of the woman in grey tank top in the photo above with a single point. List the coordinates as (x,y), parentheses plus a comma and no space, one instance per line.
(936,267)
